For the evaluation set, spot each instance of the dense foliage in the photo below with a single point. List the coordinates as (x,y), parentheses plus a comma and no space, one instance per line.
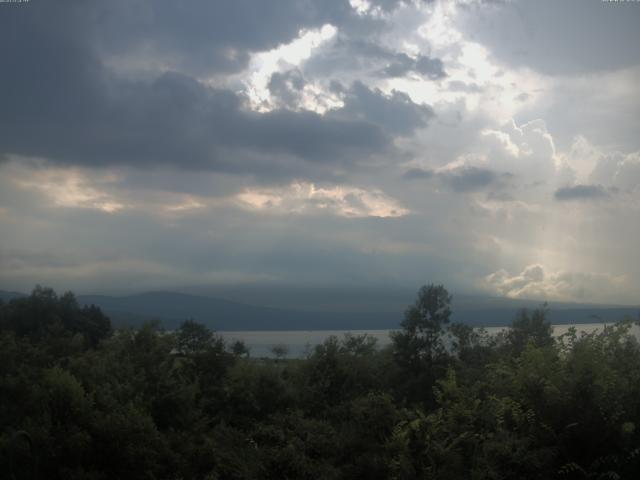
(79,401)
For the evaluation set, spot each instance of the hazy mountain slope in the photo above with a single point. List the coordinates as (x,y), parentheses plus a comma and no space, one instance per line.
(171,308)
(7,296)
(229,315)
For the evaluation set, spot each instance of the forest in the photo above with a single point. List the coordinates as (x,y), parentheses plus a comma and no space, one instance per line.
(81,400)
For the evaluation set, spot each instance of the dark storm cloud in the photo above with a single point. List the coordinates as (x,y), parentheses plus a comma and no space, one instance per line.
(581,192)
(205,35)
(175,120)
(193,35)
(60,101)
(199,34)
(309,135)
(394,113)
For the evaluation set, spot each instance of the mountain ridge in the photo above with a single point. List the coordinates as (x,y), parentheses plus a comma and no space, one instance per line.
(171,308)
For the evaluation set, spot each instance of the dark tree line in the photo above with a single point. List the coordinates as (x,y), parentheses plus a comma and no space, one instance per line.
(443,401)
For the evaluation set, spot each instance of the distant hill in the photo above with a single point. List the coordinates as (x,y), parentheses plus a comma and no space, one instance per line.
(489,311)
(171,308)
(7,296)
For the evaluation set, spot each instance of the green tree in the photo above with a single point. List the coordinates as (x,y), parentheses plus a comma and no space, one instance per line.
(420,340)
(280,351)
(531,327)
(240,349)
(419,348)
(193,338)
(45,314)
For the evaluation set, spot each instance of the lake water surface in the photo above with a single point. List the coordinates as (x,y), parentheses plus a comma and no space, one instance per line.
(301,342)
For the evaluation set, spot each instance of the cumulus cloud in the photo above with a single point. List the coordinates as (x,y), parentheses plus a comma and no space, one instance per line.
(526,150)
(618,170)
(536,283)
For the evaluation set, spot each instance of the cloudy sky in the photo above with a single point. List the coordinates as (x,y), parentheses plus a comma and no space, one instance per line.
(491,146)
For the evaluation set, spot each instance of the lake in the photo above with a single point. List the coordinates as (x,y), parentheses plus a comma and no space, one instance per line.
(301,342)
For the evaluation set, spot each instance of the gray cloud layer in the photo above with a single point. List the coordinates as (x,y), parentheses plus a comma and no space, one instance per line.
(581,192)
(61,101)
(567,37)
(466,179)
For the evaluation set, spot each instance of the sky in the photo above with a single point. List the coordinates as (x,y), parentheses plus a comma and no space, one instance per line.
(490,146)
